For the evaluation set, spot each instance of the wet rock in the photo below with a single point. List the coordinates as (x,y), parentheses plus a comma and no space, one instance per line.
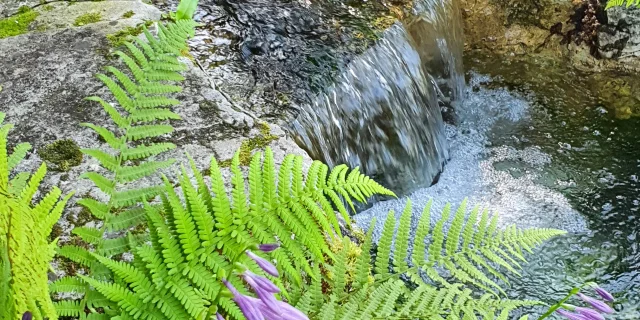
(621,37)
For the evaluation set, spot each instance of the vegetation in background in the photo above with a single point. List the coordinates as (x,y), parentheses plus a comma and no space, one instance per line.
(17,24)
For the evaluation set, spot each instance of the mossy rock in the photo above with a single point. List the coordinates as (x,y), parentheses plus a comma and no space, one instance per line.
(258,142)
(17,24)
(617,95)
(119,38)
(87,18)
(61,155)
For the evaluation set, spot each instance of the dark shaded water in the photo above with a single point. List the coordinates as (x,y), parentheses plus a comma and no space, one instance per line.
(595,164)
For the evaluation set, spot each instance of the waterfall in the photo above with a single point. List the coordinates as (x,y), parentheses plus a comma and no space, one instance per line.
(383,113)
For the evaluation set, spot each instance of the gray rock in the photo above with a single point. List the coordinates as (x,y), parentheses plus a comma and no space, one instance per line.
(46,75)
(621,37)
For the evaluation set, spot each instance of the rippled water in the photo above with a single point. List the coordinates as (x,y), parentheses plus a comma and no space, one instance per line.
(532,144)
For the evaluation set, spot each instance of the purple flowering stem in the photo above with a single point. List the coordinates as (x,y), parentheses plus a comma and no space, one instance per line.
(557,306)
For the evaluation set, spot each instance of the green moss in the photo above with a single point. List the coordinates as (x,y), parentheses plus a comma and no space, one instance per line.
(128,14)
(61,155)
(47,7)
(18,24)
(56,231)
(248,146)
(384,22)
(87,18)
(24,9)
(83,217)
(117,39)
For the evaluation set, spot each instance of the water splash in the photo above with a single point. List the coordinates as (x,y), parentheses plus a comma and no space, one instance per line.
(384,112)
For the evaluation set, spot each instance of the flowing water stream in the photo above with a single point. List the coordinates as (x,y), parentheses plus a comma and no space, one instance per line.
(529,142)
(384,112)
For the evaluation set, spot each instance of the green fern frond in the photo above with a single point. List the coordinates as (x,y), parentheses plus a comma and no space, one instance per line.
(620,3)
(461,254)
(470,250)
(196,238)
(69,308)
(68,284)
(25,225)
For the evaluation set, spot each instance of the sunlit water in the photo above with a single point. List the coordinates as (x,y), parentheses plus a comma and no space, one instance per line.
(537,148)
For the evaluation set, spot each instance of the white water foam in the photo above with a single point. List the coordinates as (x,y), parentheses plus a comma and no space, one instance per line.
(470,173)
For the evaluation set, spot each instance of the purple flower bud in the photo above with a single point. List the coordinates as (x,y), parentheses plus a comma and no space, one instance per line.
(263,282)
(570,315)
(589,313)
(264,264)
(267,297)
(288,311)
(604,294)
(27,316)
(219,316)
(596,304)
(268,247)
(246,305)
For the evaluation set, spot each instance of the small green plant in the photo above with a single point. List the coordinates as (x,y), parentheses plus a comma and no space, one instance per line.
(25,252)
(128,14)
(87,18)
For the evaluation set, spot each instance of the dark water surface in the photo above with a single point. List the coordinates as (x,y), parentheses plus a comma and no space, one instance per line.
(595,164)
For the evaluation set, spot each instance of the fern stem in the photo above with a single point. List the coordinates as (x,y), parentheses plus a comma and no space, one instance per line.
(557,306)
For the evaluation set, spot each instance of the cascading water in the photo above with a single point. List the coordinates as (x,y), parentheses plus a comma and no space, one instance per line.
(384,112)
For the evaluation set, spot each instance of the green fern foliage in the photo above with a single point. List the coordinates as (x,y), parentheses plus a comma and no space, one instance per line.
(25,252)
(140,108)
(471,252)
(620,3)
(436,275)
(198,237)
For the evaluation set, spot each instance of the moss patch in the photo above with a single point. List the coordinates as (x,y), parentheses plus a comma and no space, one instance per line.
(17,24)
(128,14)
(248,146)
(117,39)
(87,18)
(61,155)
